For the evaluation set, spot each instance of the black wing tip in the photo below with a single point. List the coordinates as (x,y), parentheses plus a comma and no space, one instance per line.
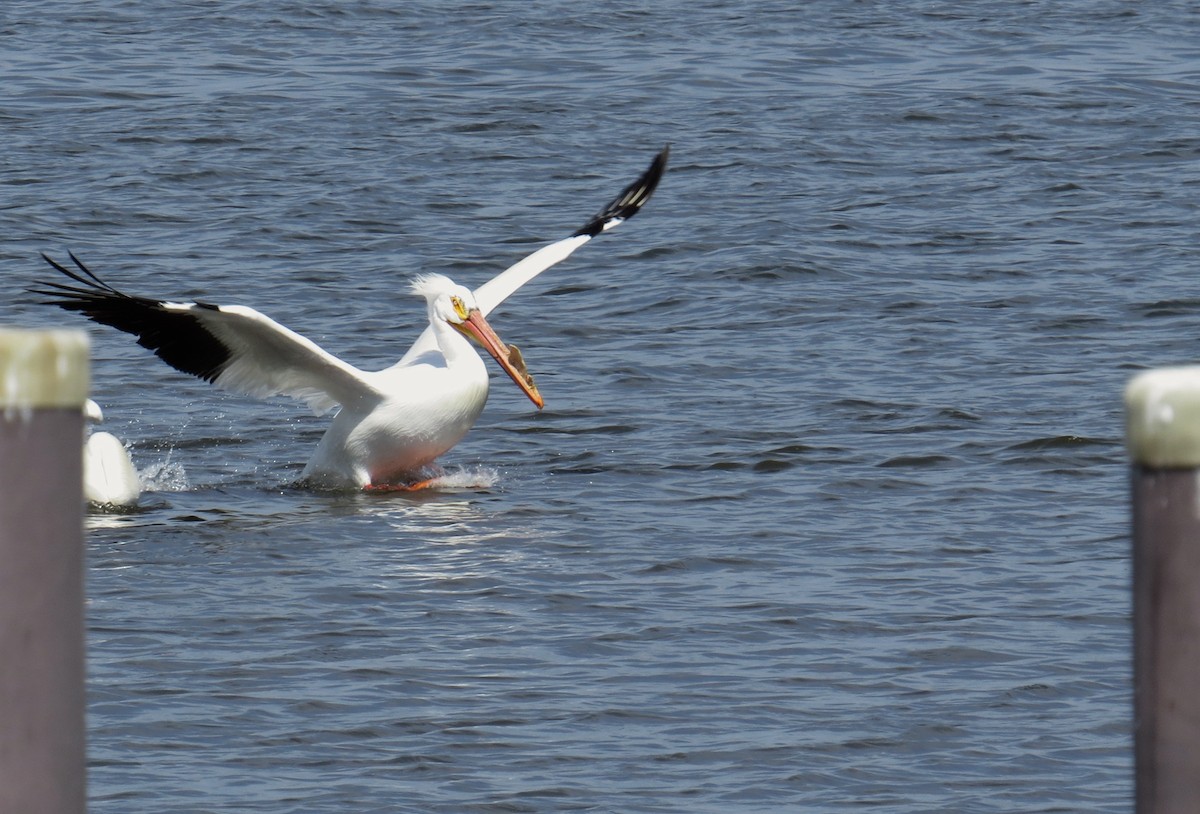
(631,199)
(54,264)
(178,337)
(84,275)
(53,288)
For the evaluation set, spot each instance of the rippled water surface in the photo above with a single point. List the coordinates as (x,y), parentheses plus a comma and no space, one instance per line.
(827,507)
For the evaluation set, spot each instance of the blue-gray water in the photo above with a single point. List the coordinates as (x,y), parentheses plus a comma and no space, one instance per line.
(827,508)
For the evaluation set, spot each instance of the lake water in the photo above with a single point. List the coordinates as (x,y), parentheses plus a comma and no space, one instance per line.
(827,508)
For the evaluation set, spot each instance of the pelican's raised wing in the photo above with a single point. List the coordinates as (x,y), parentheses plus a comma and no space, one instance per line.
(234,347)
(499,288)
(621,209)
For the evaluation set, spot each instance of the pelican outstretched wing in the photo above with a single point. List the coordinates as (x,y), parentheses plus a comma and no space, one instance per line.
(236,348)
(499,288)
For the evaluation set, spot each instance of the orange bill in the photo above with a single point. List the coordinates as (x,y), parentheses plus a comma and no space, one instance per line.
(476,327)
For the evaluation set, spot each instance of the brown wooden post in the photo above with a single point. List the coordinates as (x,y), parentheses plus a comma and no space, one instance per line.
(43,384)
(1162,413)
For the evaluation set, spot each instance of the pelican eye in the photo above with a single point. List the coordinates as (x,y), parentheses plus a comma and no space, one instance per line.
(460,307)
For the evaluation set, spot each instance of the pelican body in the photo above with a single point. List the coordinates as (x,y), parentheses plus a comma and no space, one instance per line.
(414,411)
(391,425)
(109,478)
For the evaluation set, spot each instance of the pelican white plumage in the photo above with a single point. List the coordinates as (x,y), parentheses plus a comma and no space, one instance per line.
(393,423)
(109,478)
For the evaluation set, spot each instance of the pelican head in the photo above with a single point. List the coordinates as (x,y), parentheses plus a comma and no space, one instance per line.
(92,412)
(454,304)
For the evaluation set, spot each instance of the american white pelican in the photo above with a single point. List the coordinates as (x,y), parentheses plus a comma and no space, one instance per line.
(108,475)
(392,423)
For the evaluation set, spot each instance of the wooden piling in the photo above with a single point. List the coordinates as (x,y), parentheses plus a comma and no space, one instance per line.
(43,385)
(1162,410)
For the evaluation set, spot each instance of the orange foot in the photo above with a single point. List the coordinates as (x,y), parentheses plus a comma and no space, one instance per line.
(383,488)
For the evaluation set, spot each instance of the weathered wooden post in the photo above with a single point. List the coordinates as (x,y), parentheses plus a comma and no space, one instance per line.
(43,384)
(1162,414)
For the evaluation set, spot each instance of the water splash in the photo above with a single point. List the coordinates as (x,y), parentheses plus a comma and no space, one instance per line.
(475,477)
(164,476)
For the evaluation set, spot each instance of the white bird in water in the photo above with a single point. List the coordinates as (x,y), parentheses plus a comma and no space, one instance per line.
(393,423)
(109,478)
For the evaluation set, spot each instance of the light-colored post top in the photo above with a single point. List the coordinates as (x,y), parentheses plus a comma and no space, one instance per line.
(42,369)
(1162,418)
